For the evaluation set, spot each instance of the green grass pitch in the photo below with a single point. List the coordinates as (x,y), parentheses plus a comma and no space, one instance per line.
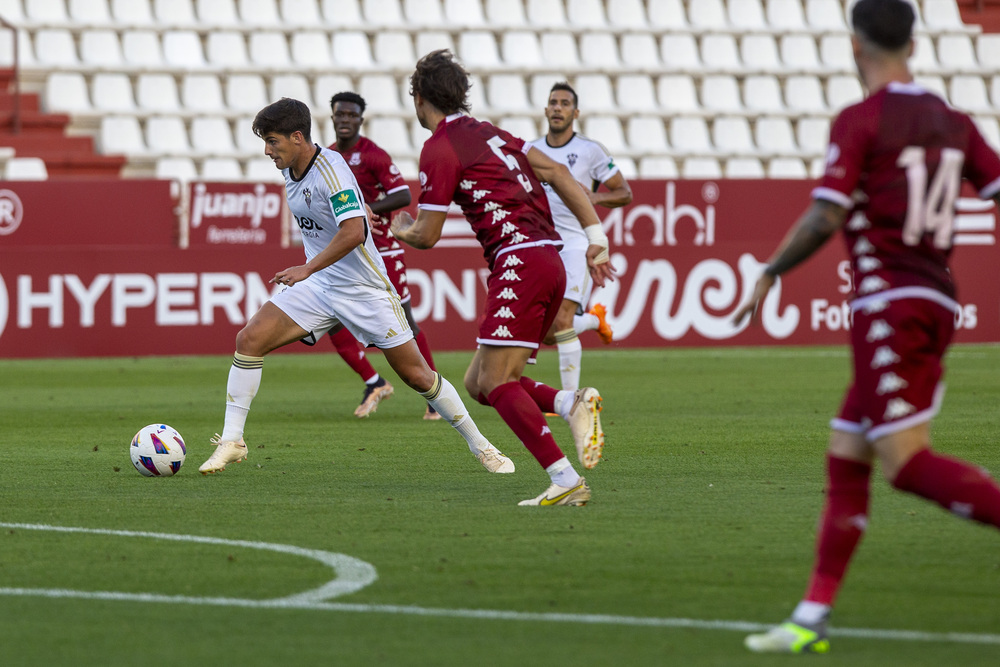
(701,526)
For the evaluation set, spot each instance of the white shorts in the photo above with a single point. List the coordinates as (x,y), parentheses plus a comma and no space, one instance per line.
(377,319)
(578,283)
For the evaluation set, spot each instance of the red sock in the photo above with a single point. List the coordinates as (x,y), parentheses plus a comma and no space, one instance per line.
(542,394)
(425,349)
(842,525)
(351,351)
(955,485)
(520,413)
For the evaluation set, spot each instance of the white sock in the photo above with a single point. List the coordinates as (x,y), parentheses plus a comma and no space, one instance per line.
(810,613)
(562,473)
(373,379)
(244,381)
(585,322)
(570,356)
(443,398)
(564,402)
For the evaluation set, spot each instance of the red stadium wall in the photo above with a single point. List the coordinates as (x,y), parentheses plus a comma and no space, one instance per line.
(132,268)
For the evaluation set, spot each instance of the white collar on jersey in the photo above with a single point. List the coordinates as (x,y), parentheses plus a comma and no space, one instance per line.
(911,88)
(452,117)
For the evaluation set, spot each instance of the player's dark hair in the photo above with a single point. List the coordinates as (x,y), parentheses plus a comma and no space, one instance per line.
(562,85)
(886,23)
(284,117)
(442,81)
(350,97)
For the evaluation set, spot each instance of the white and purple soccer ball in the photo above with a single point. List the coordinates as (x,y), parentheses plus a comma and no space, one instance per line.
(158,451)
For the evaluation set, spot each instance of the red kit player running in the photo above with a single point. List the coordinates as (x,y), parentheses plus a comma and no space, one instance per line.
(894,169)
(494,177)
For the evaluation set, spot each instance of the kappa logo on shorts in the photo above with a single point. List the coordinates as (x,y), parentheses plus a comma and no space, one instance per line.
(872,284)
(510,274)
(879,330)
(502,332)
(499,215)
(863,247)
(504,312)
(508,293)
(867,264)
(875,307)
(890,383)
(897,408)
(546,430)
(512,260)
(884,356)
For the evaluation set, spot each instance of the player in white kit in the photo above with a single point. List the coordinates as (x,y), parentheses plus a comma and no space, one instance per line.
(342,283)
(591,165)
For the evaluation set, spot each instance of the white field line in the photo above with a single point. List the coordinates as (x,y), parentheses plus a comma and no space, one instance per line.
(312,601)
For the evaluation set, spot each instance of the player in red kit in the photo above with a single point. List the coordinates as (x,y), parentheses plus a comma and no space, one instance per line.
(385,191)
(894,169)
(494,177)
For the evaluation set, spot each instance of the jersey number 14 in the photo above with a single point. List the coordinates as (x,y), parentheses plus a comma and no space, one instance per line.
(931,209)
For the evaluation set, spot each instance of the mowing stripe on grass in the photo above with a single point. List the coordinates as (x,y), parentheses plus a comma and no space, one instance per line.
(354,574)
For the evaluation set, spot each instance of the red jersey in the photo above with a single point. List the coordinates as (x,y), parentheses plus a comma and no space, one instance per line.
(897,159)
(484,170)
(377,177)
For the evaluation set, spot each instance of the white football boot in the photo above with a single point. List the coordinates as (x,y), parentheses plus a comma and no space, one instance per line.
(494,461)
(231,451)
(578,494)
(585,424)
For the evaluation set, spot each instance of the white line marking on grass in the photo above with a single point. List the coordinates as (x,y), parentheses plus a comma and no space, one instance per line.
(313,600)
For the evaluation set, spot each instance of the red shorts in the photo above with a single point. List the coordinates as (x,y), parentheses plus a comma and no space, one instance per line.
(523,295)
(395,267)
(897,366)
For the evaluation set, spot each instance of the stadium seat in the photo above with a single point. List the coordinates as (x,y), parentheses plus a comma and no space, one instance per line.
(679,51)
(786,167)
(842,91)
(167,135)
(339,13)
(676,93)
(221,169)
(202,92)
(311,48)
(269,50)
(120,135)
(988,51)
(182,49)
(381,93)
(227,49)
(157,92)
(934,84)
(258,12)
(762,93)
(217,12)
(774,136)
(701,167)
(836,53)
(111,91)
(546,13)
(759,52)
(657,166)
(689,135)
(391,134)
(66,92)
(540,86)
(55,48)
(825,15)
(599,50)
(382,13)
(432,40)
(707,14)
(924,55)
(989,129)
(812,134)
(464,13)
(968,93)
(639,51)
(424,12)
(720,93)
(524,127)
(477,95)
(301,13)
(506,93)
(132,12)
(262,170)
(731,134)
(247,142)
(817,167)
(179,12)
(747,15)
(141,48)
(785,14)
(627,14)
(101,48)
(12,10)
(942,15)
(418,135)
(394,48)
(594,92)
(995,90)
(668,14)
(585,13)
(606,130)
(212,135)
(744,167)
(804,93)
(46,11)
(508,13)
(559,50)
(25,169)
(246,92)
(647,135)
(520,48)
(719,52)
(351,50)
(326,86)
(478,49)
(798,52)
(295,86)
(627,168)
(176,168)
(635,93)
(955,52)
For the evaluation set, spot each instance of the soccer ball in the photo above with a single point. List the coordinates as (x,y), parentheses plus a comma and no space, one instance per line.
(158,451)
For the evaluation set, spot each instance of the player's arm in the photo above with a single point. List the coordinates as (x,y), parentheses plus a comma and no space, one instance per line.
(350,235)
(569,190)
(393,202)
(814,228)
(618,193)
(421,233)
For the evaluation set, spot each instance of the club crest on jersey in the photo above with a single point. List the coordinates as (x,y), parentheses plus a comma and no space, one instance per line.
(344,202)
(572,158)
(355,159)
(308,196)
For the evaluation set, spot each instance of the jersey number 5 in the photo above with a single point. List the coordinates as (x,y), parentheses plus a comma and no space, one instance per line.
(495,143)
(931,209)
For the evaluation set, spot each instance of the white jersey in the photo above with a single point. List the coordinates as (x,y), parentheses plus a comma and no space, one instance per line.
(589,162)
(326,195)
